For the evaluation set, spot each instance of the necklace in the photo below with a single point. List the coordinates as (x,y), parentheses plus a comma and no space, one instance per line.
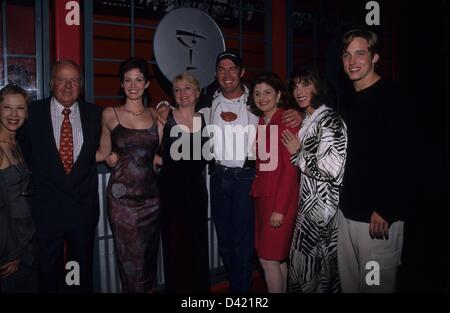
(134,113)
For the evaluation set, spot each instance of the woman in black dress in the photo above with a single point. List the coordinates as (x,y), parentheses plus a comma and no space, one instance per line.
(184,198)
(17,251)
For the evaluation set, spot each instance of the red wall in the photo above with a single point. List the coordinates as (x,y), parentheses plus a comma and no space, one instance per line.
(113,42)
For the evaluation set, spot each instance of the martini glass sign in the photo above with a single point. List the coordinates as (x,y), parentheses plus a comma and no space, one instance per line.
(188,40)
(180,34)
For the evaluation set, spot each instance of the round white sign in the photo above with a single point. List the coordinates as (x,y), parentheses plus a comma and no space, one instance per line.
(188,40)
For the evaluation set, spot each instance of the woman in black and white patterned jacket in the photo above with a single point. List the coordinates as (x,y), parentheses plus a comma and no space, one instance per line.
(319,151)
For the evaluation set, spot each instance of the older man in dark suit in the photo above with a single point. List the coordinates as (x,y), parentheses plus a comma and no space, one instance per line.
(59,142)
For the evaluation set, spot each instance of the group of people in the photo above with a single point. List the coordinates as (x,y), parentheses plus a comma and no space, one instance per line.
(290,177)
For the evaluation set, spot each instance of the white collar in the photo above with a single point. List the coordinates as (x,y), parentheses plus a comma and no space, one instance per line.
(59,107)
(309,120)
(243,97)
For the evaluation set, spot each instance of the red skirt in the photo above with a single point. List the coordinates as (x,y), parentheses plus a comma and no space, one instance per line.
(273,243)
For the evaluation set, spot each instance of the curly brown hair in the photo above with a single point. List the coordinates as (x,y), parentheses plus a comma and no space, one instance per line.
(274,81)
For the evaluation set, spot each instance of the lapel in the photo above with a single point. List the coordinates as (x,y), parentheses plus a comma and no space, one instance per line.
(50,135)
(84,117)
(276,117)
(266,138)
(309,121)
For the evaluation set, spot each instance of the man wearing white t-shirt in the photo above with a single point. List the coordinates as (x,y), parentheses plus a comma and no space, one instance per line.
(233,130)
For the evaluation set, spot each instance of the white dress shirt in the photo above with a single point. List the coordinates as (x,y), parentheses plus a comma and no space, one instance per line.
(56,109)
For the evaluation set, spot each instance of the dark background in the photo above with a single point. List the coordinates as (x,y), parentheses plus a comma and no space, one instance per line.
(423,74)
(414,53)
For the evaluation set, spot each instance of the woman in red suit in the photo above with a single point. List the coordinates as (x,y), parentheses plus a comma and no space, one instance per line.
(275,188)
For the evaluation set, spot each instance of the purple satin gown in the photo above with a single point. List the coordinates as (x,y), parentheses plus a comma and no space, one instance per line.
(133,207)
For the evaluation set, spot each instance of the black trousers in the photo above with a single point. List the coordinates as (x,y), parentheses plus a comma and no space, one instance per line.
(78,245)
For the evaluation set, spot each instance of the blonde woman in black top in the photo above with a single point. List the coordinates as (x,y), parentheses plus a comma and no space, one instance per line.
(17,272)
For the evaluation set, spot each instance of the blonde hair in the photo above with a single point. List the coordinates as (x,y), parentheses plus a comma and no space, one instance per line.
(189,78)
(12,89)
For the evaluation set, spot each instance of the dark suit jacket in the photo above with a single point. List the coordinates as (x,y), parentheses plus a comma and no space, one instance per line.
(61,202)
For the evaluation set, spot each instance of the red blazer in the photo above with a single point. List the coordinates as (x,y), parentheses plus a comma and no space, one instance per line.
(281,182)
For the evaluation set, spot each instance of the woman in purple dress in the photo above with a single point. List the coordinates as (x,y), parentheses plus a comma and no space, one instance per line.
(131,136)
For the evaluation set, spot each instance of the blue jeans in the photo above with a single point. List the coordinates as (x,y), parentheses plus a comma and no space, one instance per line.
(233,215)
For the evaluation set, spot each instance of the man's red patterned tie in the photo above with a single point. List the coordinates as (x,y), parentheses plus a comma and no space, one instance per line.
(66,142)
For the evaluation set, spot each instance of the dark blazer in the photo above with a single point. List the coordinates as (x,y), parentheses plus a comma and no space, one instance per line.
(61,202)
